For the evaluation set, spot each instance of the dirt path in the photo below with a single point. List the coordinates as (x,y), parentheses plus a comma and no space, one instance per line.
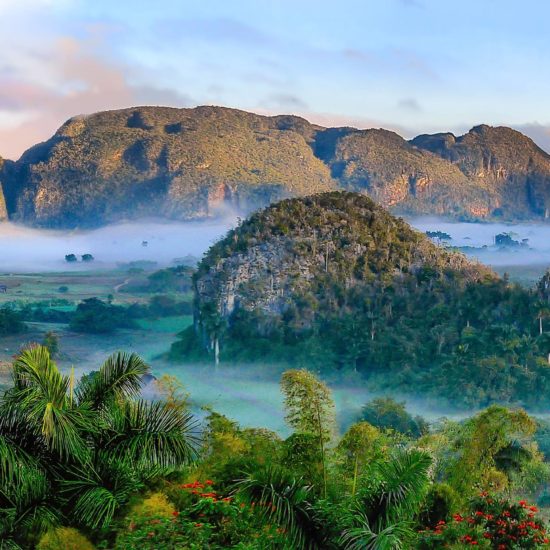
(119,286)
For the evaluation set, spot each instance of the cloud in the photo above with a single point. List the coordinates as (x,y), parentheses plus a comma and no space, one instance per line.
(409,104)
(283,101)
(76,81)
(219,29)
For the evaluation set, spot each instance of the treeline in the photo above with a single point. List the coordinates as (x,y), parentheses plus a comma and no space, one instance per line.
(121,473)
(92,315)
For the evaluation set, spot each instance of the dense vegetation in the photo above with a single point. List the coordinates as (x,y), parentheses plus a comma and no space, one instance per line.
(93,465)
(187,163)
(78,453)
(335,283)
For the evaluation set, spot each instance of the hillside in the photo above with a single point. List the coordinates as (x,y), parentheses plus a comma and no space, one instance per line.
(334,282)
(501,160)
(192,163)
(152,161)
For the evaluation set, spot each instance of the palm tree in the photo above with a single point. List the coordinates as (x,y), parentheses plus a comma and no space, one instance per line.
(286,501)
(384,510)
(76,455)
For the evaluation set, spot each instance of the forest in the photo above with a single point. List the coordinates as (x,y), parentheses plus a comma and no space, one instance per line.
(89,464)
(337,285)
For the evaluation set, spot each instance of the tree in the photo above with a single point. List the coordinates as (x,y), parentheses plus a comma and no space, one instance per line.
(359,445)
(383,513)
(173,392)
(71,258)
(80,455)
(87,258)
(309,409)
(96,316)
(51,342)
(493,446)
(385,412)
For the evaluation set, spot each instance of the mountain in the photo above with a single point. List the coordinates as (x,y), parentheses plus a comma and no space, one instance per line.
(192,163)
(335,283)
(163,162)
(501,160)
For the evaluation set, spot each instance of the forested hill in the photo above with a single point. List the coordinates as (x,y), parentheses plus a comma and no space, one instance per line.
(334,282)
(191,163)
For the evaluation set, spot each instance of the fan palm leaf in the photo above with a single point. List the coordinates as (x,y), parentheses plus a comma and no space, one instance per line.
(283,500)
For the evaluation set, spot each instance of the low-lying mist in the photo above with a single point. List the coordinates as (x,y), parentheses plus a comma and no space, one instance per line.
(25,250)
(34,250)
(483,234)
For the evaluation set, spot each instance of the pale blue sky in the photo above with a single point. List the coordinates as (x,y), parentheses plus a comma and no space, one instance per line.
(411,65)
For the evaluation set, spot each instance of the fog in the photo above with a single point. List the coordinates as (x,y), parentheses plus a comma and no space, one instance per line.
(482,234)
(25,250)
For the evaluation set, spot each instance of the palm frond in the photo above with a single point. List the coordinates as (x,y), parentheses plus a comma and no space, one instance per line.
(154,434)
(284,500)
(119,377)
(94,492)
(404,483)
(39,395)
(396,536)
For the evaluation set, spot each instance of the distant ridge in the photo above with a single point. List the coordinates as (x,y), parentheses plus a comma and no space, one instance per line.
(191,163)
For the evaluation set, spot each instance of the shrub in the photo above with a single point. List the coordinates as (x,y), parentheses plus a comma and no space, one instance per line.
(65,538)
(156,505)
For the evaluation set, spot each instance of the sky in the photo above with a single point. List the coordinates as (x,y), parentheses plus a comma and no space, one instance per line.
(413,66)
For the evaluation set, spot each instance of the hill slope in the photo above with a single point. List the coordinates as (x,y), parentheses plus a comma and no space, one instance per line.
(189,163)
(334,282)
(502,160)
(152,161)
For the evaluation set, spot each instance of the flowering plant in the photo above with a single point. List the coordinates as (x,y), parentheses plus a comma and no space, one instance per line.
(492,522)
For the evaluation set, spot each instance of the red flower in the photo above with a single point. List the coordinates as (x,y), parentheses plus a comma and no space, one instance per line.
(175,513)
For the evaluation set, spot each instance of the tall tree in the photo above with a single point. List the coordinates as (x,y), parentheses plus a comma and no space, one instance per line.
(309,409)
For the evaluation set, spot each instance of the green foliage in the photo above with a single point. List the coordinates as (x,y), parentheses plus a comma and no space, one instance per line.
(67,538)
(11,322)
(81,453)
(98,317)
(389,500)
(357,291)
(51,342)
(386,413)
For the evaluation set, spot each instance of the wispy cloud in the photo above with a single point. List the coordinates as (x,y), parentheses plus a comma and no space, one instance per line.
(409,104)
(77,81)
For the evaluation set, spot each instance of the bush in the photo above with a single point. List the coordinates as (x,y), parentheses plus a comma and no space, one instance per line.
(156,505)
(65,538)
(440,503)
(11,321)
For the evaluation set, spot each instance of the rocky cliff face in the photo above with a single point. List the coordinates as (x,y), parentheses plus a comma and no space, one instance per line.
(502,160)
(191,163)
(3,177)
